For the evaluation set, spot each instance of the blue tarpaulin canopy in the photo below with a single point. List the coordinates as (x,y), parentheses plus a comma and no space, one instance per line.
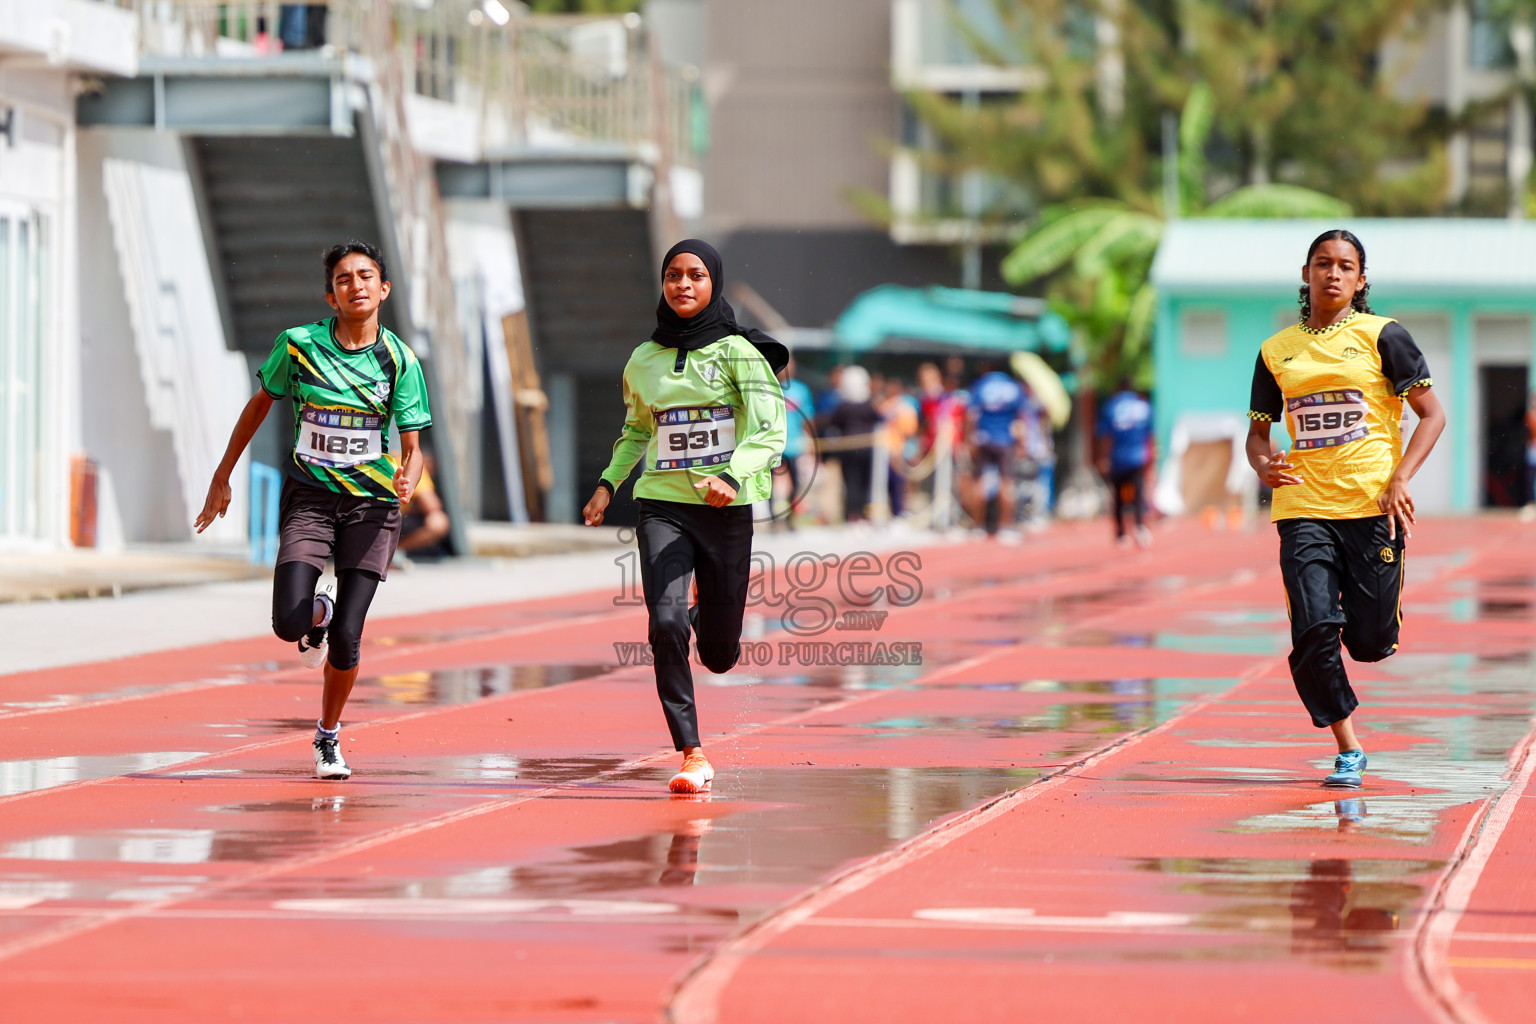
(896,319)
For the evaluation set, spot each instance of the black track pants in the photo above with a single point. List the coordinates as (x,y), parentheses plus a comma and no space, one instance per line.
(677,542)
(293,602)
(1343,580)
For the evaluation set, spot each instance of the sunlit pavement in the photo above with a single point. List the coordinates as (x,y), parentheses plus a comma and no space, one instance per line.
(1095,798)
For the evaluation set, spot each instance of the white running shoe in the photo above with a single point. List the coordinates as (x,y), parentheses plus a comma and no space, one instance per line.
(312,655)
(694,777)
(329,764)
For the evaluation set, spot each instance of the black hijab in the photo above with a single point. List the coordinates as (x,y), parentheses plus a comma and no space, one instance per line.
(716,320)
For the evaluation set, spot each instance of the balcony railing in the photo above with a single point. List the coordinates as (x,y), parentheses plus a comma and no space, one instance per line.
(957,46)
(533,81)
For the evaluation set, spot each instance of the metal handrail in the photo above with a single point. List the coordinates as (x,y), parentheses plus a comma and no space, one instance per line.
(419,237)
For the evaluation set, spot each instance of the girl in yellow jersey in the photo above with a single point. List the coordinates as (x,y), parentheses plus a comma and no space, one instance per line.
(1339,377)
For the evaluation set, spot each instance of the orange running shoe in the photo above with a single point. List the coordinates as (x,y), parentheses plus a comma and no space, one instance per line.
(694,777)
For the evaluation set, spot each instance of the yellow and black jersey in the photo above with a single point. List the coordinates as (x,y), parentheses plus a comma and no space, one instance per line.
(1341,390)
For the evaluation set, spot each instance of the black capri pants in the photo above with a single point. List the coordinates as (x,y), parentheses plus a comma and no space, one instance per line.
(1343,582)
(678,542)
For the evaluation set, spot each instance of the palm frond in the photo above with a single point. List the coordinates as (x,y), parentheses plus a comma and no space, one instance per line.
(1138,322)
(1197,118)
(1195,123)
(1125,238)
(1277,201)
(1052,246)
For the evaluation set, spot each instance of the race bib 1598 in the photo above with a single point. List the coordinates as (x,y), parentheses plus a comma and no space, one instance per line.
(331,438)
(693,438)
(1328,419)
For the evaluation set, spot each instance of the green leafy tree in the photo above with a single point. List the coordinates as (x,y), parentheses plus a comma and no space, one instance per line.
(1096,254)
(1284,112)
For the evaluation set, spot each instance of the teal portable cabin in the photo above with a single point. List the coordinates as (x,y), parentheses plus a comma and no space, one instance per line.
(1465,289)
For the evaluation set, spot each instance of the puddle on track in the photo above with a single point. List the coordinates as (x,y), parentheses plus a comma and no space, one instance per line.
(45,773)
(783,829)
(66,700)
(467,685)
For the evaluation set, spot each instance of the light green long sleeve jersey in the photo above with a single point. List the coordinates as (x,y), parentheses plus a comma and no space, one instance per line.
(717,410)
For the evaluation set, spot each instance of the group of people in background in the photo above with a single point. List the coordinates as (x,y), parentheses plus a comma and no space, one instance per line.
(987,420)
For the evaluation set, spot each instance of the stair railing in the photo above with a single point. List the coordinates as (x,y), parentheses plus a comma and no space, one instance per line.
(415,223)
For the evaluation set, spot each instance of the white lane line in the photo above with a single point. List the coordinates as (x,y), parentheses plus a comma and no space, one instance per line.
(696,997)
(1024,917)
(1515,937)
(352,730)
(1432,941)
(19,902)
(471,907)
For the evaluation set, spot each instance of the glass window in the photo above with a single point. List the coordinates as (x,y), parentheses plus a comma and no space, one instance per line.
(1203,334)
(1488,41)
(23,324)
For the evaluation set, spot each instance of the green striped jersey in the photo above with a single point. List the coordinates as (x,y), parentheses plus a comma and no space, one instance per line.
(343,402)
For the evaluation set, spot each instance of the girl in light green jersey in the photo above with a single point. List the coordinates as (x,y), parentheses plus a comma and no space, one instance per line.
(706,413)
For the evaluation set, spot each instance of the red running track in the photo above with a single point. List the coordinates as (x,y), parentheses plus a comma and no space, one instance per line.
(1095,799)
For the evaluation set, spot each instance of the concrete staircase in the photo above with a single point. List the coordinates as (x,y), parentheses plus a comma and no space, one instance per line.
(275,205)
(591,293)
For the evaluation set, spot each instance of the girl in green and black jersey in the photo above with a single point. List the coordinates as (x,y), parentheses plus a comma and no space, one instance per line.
(706,412)
(349,378)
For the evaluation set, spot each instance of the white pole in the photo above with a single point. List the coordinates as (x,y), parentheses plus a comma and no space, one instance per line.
(944,480)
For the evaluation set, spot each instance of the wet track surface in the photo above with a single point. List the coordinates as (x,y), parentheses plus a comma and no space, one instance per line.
(1095,798)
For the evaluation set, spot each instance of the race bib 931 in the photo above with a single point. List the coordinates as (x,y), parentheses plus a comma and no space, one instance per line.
(693,438)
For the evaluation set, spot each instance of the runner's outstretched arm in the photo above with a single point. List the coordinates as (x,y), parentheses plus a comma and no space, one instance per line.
(250,420)
(408,475)
(763,438)
(1396,502)
(1271,466)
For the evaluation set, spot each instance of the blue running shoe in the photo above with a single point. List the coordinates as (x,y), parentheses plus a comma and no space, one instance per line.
(1346,770)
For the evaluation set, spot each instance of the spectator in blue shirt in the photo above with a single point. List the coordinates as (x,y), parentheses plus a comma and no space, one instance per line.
(1124,450)
(997,407)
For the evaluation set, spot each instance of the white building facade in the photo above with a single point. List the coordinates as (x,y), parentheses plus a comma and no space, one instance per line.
(46,49)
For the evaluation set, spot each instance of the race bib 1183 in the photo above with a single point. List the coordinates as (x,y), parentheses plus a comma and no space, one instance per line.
(694,438)
(328,437)
(1328,419)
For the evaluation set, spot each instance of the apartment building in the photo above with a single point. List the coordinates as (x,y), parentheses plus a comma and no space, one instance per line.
(1474,60)
(810,137)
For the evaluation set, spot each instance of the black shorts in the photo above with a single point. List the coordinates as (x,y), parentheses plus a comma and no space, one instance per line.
(999,455)
(316,524)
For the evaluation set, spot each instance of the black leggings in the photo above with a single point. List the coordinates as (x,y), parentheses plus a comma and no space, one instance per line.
(677,542)
(858,471)
(293,608)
